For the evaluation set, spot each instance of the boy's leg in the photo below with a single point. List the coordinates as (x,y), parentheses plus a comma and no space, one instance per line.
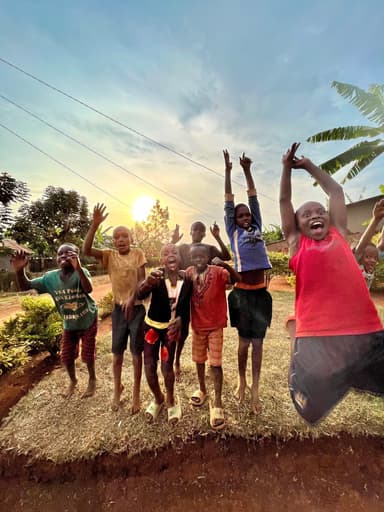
(168,350)
(136,329)
(88,350)
(117,366)
(217,378)
(119,344)
(257,356)
(242,358)
(200,368)
(68,352)
(179,349)
(151,355)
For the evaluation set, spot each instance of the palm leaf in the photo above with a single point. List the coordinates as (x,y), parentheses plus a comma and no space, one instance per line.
(370,104)
(362,163)
(345,133)
(359,152)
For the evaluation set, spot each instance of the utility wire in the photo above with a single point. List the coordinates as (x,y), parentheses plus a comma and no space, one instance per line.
(94,151)
(120,123)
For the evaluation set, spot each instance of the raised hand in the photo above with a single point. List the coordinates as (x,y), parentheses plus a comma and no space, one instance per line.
(378,210)
(245,162)
(215,230)
(227,160)
(176,237)
(218,262)
(73,259)
(289,158)
(99,214)
(19,260)
(155,277)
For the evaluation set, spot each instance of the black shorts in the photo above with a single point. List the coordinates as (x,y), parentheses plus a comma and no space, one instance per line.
(250,311)
(155,341)
(122,328)
(323,369)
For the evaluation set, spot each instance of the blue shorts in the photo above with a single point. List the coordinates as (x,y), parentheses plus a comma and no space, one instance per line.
(122,328)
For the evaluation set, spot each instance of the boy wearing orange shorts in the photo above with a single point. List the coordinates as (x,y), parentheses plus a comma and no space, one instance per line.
(208,318)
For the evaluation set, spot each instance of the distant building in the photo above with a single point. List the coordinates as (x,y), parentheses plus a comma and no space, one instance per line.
(7,247)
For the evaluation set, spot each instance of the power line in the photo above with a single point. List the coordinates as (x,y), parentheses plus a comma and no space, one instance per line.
(120,123)
(94,151)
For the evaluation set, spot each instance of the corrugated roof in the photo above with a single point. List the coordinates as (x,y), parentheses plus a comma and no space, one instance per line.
(7,243)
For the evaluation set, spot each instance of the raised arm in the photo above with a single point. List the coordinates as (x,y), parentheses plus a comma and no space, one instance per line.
(99,217)
(19,261)
(334,191)
(245,163)
(228,169)
(233,275)
(223,253)
(287,213)
(85,281)
(366,237)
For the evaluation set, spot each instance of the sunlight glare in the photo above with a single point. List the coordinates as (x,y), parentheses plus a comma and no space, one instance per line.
(142,207)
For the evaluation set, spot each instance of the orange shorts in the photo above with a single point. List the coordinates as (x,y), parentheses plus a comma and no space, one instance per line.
(208,345)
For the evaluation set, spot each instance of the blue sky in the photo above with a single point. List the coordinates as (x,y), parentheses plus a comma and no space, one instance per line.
(198,77)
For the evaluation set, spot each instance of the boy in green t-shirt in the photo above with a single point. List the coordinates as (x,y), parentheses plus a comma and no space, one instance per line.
(69,287)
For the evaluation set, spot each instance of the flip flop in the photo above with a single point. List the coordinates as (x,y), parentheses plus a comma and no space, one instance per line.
(198,398)
(153,411)
(174,412)
(216,417)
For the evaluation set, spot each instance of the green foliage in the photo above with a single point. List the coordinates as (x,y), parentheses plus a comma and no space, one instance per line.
(371,104)
(272,234)
(105,305)
(36,329)
(59,216)
(153,233)
(279,262)
(11,191)
(378,282)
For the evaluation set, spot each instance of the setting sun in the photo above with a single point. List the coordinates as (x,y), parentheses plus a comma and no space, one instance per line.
(141,208)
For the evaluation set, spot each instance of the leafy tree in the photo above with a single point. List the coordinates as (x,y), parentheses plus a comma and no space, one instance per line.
(11,191)
(151,234)
(371,104)
(59,216)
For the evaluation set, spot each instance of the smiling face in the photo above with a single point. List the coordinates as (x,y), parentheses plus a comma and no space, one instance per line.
(313,220)
(243,217)
(199,257)
(370,258)
(170,257)
(122,239)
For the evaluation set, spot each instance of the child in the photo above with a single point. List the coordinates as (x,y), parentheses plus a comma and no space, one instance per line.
(367,253)
(197,233)
(69,287)
(250,304)
(339,337)
(126,268)
(208,318)
(164,285)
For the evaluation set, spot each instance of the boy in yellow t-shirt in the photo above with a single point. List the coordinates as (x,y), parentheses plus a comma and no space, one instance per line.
(126,269)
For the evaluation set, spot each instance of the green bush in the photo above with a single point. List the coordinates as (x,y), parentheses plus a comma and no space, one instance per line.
(36,329)
(105,305)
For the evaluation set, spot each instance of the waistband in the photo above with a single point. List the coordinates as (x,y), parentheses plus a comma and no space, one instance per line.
(245,286)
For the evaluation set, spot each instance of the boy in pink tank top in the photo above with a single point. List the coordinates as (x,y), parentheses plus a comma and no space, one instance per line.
(339,341)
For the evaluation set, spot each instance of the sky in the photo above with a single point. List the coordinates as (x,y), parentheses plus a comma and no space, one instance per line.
(170,85)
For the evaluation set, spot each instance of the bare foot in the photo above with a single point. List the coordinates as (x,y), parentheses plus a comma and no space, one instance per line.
(90,391)
(70,390)
(135,407)
(256,406)
(240,391)
(116,399)
(177,373)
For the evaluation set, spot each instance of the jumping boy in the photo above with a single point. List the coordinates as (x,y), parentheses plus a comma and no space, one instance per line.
(69,286)
(208,319)
(250,304)
(160,332)
(339,341)
(126,268)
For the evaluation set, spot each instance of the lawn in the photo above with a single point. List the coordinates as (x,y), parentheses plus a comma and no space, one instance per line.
(46,426)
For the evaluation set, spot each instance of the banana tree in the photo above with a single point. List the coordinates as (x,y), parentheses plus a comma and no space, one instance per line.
(371,104)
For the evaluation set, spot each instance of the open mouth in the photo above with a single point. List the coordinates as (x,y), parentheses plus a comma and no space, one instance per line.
(317,224)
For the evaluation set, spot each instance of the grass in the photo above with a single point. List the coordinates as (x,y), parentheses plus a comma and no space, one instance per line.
(46,426)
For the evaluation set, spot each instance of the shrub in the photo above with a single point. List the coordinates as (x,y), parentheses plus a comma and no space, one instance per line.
(105,305)
(36,329)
